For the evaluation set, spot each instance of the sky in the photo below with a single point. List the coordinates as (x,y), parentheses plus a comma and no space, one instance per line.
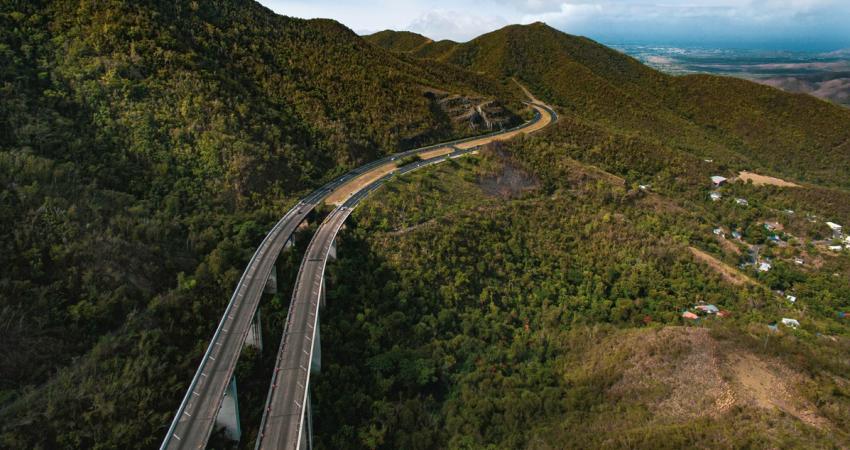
(802,25)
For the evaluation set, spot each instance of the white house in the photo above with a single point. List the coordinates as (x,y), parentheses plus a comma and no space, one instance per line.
(836,248)
(836,229)
(791,298)
(790,322)
(717,180)
(765,266)
(742,201)
(715,196)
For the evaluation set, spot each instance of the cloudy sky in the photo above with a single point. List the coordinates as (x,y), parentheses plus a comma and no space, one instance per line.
(766,24)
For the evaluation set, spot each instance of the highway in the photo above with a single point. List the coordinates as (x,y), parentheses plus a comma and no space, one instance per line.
(283,423)
(194,419)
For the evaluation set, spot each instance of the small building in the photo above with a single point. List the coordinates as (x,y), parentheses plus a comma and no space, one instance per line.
(765,266)
(689,315)
(708,160)
(737,234)
(790,212)
(774,238)
(790,322)
(836,248)
(708,309)
(791,298)
(719,232)
(836,229)
(643,187)
(799,261)
(742,201)
(847,240)
(717,180)
(715,196)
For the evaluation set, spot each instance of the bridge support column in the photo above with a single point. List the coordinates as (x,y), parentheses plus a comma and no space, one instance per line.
(255,333)
(271,283)
(228,414)
(332,250)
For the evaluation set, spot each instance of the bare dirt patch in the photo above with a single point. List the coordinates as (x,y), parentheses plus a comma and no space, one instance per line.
(694,375)
(728,273)
(770,386)
(435,153)
(545,119)
(340,195)
(684,363)
(764,180)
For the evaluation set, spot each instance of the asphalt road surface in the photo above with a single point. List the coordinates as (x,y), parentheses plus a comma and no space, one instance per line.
(195,418)
(283,424)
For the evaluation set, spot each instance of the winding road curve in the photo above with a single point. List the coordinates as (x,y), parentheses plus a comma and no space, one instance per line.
(288,400)
(195,418)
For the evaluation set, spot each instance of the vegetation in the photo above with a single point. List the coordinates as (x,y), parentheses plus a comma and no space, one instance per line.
(146,148)
(467,319)
(736,122)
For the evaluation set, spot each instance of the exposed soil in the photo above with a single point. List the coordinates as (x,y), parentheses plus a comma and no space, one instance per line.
(694,375)
(340,195)
(543,122)
(728,273)
(764,180)
(435,153)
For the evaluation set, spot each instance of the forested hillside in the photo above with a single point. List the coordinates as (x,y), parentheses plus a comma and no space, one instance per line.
(739,122)
(527,300)
(145,149)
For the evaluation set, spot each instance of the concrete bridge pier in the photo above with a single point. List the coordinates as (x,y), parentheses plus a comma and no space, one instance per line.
(332,250)
(228,414)
(254,338)
(271,283)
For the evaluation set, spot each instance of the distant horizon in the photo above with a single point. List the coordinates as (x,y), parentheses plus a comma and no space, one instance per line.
(790,25)
(769,47)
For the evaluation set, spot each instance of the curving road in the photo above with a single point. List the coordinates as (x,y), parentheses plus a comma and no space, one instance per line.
(287,404)
(195,417)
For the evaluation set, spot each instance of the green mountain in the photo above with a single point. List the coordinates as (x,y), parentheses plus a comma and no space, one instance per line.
(146,147)
(734,121)
(398,41)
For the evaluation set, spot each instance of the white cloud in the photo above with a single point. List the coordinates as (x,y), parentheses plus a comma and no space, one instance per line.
(805,23)
(456,25)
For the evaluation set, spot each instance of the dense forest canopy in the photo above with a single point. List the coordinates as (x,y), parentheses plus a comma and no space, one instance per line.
(146,147)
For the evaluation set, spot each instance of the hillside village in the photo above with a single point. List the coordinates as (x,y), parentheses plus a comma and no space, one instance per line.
(766,242)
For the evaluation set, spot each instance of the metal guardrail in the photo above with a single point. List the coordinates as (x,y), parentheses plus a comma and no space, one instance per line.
(346,209)
(310,201)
